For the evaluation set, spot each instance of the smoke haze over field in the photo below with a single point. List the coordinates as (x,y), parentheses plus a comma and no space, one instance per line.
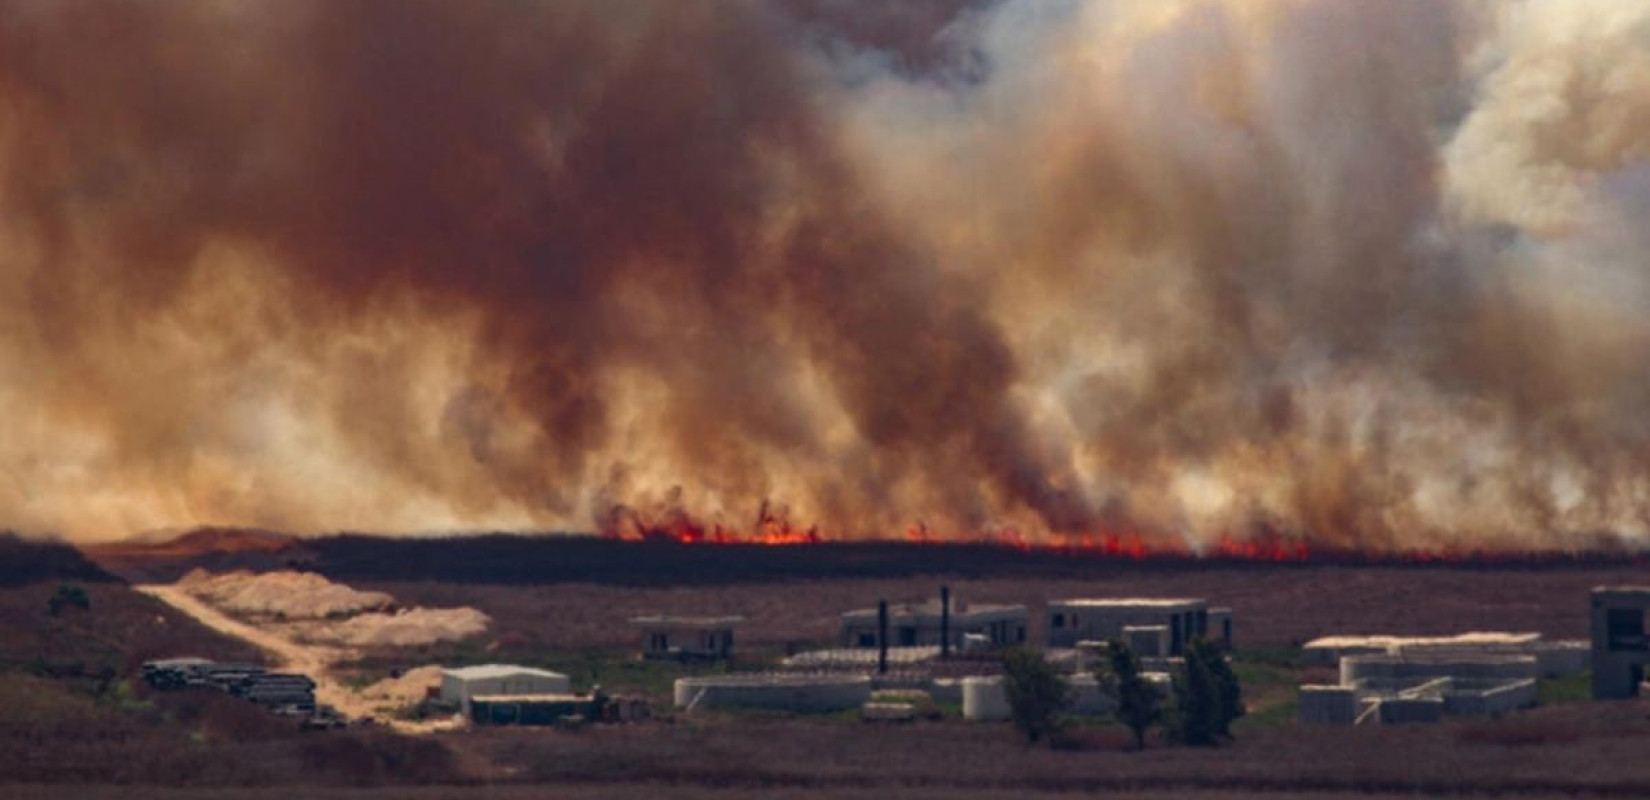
(1368,273)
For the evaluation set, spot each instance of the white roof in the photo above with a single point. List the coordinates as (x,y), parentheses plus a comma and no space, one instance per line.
(667,621)
(1471,639)
(1125,602)
(499,671)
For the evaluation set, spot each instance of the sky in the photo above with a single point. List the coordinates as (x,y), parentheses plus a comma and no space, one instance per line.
(1359,272)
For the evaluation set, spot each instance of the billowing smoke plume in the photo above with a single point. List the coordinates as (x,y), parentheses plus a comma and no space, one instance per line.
(1362,272)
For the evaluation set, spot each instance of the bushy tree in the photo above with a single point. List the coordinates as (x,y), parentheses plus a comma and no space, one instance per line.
(1228,691)
(68,596)
(1138,701)
(1037,695)
(1207,697)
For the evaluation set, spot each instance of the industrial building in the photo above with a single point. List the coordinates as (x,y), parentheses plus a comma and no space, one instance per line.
(1619,647)
(1108,619)
(1553,658)
(959,625)
(1392,680)
(687,637)
(463,685)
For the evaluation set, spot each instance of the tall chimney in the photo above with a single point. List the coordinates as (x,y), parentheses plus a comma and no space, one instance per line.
(945,622)
(882,637)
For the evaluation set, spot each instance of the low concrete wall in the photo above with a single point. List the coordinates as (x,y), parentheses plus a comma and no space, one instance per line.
(1402,711)
(799,693)
(946,690)
(1491,701)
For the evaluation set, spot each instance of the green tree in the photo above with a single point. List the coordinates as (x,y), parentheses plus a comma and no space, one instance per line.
(1138,701)
(68,596)
(1037,695)
(1228,691)
(1207,697)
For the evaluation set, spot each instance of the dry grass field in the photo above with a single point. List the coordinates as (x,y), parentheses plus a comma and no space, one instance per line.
(1272,605)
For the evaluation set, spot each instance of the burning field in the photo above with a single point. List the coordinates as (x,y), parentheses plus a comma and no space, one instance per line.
(1196,275)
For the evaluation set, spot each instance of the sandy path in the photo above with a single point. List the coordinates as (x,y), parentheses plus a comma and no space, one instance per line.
(290,656)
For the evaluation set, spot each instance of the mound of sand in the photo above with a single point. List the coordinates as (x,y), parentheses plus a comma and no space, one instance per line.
(293,595)
(406,628)
(409,689)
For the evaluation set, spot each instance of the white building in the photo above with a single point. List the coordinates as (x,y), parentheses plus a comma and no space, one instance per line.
(687,637)
(462,684)
(1078,620)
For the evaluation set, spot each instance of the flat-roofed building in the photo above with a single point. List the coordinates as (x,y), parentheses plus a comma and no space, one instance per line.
(914,625)
(1103,619)
(1620,648)
(666,636)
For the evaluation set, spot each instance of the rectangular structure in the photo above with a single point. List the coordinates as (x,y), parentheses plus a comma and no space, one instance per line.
(464,684)
(1619,648)
(1328,705)
(1073,621)
(912,625)
(687,637)
(1329,650)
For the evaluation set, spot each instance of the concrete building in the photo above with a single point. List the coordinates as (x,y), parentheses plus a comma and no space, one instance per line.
(687,637)
(911,625)
(464,684)
(1328,705)
(1619,647)
(1389,686)
(1073,621)
(1554,659)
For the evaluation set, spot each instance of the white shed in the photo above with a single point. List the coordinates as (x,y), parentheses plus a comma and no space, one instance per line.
(463,683)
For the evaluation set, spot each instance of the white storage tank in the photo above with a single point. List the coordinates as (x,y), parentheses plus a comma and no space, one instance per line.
(984,699)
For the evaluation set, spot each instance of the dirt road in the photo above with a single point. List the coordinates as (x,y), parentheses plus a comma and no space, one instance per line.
(290,656)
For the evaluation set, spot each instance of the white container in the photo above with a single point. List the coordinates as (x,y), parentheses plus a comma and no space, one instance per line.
(984,699)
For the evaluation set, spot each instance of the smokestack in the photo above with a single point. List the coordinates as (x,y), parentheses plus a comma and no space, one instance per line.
(882,637)
(945,622)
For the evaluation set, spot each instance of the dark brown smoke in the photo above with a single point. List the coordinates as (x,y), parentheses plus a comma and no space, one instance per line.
(1192,269)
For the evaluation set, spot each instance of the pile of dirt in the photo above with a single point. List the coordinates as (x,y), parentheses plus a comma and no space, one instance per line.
(417,626)
(287,594)
(413,686)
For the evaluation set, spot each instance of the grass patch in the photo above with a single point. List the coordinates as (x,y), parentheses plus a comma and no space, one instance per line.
(1572,689)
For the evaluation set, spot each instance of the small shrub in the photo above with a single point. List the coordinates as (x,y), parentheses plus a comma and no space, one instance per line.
(68,596)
